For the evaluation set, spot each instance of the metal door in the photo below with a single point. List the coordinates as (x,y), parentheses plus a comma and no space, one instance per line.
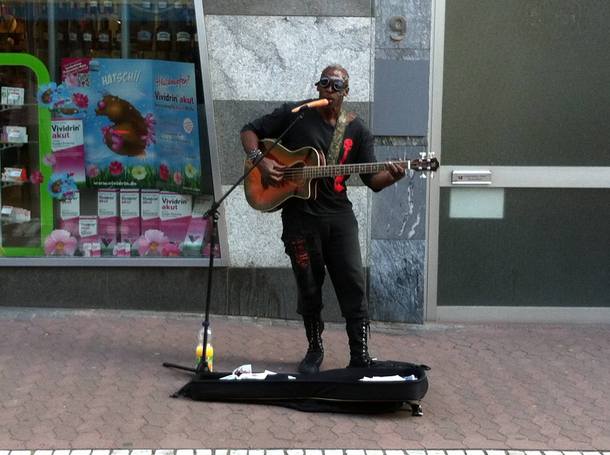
(520,215)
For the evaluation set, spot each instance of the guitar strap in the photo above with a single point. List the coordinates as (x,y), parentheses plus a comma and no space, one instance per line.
(335,143)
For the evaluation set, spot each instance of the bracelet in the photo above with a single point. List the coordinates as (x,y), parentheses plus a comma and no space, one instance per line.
(254,154)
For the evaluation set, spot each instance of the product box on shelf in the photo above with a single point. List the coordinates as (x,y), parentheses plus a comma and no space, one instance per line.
(196,233)
(130,215)
(14,134)
(14,174)
(12,96)
(69,214)
(15,214)
(175,214)
(67,144)
(108,217)
(90,244)
(149,210)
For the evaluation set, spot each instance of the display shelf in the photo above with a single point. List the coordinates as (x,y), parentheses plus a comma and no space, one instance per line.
(8,145)
(29,243)
(15,107)
(10,184)
(15,145)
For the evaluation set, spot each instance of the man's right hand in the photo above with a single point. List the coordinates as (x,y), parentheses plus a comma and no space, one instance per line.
(272,173)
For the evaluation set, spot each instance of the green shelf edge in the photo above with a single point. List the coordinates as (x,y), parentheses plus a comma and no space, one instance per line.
(44,146)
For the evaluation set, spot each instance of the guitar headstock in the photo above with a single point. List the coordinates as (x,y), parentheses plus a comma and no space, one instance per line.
(427,163)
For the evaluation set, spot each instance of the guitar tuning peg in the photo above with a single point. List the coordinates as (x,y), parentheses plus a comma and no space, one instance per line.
(432,175)
(422,155)
(431,154)
(423,176)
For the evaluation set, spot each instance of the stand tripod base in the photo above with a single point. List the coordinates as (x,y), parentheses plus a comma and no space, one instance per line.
(179,367)
(200,372)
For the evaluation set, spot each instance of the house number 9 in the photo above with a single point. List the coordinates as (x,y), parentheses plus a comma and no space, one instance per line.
(398,28)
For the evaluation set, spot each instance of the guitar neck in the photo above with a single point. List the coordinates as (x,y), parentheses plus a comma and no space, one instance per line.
(334,170)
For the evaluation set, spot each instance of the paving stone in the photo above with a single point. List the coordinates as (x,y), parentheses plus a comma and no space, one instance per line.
(96,377)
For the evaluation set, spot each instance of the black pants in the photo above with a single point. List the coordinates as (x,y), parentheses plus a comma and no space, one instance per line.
(316,243)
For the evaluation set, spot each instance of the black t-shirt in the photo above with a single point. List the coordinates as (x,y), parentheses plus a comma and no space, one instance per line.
(313,131)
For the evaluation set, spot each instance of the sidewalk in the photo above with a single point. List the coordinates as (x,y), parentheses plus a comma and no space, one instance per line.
(94,380)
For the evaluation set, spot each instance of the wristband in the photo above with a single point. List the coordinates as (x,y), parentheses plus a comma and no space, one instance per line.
(254,154)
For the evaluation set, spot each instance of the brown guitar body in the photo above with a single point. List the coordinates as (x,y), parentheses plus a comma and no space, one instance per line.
(267,198)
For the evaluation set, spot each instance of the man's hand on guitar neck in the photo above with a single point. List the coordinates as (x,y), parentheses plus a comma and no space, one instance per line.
(390,175)
(397,171)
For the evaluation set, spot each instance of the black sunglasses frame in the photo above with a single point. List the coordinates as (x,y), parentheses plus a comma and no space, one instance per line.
(338,85)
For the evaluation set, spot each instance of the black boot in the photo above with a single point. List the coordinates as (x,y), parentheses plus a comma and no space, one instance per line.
(314,326)
(357,333)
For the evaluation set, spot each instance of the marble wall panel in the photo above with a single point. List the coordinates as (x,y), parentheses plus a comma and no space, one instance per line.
(396,280)
(277,58)
(255,237)
(399,211)
(289,7)
(231,116)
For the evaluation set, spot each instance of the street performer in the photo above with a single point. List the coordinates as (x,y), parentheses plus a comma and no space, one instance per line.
(321,233)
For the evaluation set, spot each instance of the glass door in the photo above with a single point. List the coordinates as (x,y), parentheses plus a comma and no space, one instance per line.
(520,124)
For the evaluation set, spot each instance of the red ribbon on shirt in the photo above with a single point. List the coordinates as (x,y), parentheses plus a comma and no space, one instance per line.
(340,180)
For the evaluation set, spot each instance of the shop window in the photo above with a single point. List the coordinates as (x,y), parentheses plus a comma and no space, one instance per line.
(104,148)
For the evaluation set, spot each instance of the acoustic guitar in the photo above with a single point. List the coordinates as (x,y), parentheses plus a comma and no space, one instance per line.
(303,166)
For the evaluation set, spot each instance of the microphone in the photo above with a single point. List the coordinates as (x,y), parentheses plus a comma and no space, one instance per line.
(311,105)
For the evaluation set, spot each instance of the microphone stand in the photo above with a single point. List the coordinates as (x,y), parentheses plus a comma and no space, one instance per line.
(202,368)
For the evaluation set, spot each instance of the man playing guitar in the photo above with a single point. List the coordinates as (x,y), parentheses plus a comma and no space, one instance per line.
(321,233)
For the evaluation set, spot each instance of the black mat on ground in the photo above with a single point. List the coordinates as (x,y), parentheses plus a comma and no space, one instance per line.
(338,390)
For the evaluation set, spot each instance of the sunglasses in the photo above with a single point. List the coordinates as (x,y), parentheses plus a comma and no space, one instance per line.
(338,84)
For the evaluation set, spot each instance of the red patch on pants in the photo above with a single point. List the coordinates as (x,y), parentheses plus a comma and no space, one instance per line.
(301,255)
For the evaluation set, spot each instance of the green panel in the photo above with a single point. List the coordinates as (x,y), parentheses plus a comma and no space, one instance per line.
(44,147)
(549,248)
(526,82)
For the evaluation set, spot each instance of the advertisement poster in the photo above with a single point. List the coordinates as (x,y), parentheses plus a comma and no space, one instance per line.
(140,126)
